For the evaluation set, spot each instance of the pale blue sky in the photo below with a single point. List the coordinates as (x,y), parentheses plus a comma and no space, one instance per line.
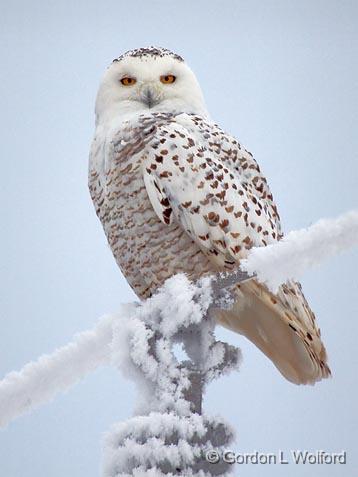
(282,77)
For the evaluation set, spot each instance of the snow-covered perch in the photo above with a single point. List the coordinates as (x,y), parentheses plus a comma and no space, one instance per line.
(40,381)
(170,434)
(302,249)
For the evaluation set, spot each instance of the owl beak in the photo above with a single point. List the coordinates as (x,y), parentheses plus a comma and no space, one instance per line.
(150,96)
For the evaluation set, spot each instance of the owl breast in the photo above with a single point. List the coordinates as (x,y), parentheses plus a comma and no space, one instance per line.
(146,250)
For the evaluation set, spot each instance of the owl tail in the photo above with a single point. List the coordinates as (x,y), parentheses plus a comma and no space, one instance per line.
(282,326)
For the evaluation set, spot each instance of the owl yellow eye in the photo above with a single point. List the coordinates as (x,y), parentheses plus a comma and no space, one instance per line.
(167,79)
(128,81)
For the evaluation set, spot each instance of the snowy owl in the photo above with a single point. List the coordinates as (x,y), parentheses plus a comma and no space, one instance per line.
(177,194)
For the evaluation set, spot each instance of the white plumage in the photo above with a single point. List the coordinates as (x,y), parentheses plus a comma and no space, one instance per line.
(177,194)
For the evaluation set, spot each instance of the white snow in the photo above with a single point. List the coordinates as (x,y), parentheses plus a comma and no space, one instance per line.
(159,440)
(144,437)
(168,433)
(39,381)
(151,363)
(302,249)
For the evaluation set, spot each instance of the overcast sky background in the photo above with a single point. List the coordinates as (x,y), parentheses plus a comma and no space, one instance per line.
(282,77)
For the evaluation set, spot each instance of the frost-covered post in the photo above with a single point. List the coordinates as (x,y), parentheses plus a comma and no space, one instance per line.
(170,435)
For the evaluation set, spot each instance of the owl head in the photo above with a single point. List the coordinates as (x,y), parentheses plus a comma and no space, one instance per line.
(148,80)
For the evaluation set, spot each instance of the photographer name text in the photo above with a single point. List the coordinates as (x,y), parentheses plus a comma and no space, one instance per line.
(304,457)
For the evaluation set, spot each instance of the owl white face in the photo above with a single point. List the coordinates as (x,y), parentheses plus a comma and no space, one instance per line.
(137,85)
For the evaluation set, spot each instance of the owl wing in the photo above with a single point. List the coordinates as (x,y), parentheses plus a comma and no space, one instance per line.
(220,207)
(205,180)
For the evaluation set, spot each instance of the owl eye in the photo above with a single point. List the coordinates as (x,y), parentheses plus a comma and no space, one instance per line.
(167,79)
(128,81)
